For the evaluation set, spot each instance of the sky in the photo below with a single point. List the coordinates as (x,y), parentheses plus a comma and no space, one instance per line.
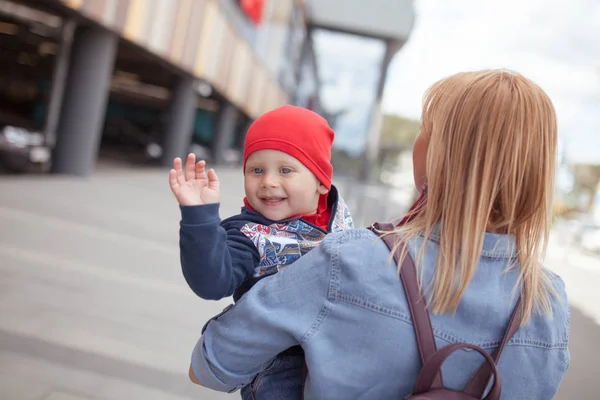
(556,43)
(348,68)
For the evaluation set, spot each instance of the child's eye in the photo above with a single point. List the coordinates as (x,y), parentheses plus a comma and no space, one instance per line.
(286,170)
(257,170)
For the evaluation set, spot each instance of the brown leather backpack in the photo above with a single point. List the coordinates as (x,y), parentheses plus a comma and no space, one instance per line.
(429,384)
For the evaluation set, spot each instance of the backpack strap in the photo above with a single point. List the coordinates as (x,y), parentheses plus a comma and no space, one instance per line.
(416,301)
(425,377)
(479,381)
(422,323)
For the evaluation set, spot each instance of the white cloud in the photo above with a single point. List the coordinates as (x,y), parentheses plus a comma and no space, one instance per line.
(556,43)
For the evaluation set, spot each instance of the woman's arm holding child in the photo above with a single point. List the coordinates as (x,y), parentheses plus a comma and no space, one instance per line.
(279,312)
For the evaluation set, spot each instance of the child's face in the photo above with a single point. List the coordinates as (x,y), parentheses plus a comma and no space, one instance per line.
(420,160)
(278,186)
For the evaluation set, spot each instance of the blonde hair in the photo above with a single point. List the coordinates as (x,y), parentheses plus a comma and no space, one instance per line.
(490,167)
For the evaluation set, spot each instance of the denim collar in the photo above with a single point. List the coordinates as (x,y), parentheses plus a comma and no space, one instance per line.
(495,245)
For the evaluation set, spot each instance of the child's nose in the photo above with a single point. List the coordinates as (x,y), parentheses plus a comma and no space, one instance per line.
(269,181)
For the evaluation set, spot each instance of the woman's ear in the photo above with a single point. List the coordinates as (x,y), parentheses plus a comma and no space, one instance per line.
(322,189)
(420,148)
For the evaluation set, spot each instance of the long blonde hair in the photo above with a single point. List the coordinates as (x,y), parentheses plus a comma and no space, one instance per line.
(490,167)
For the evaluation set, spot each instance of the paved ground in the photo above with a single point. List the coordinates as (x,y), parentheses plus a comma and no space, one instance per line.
(93,304)
(581,274)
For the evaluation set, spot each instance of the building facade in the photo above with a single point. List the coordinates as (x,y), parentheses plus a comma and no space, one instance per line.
(165,74)
(209,66)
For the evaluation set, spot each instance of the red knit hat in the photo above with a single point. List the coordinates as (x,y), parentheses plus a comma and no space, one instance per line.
(296,131)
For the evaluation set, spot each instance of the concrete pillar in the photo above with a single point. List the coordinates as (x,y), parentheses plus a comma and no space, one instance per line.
(376,117)
(225,131)
(305,53)
(86,93)
(177,132)
(59,82)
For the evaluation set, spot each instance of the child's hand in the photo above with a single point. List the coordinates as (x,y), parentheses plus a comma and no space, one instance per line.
(193,186)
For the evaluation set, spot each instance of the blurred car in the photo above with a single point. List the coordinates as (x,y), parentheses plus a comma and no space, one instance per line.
(138,139)
(22,149)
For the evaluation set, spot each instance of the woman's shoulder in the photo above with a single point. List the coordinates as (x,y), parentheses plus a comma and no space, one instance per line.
(351,235)
(559,298)
(550,330)
(361,261)
(556,283)
(353,241)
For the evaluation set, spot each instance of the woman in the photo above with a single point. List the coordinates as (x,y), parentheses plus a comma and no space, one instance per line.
(486,154)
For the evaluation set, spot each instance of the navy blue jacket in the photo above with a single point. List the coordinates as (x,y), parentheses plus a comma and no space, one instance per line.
(221,258)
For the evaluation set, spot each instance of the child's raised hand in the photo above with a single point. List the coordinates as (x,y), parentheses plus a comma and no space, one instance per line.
(193,186)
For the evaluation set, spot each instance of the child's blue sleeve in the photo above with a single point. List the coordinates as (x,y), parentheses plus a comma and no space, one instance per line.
(215,261)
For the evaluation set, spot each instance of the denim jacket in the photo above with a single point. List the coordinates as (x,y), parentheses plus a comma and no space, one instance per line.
(344,304)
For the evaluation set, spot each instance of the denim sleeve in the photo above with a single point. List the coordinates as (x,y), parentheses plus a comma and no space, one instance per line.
(279,312)
(214,260)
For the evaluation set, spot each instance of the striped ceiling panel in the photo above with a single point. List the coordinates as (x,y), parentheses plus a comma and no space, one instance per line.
(196,36)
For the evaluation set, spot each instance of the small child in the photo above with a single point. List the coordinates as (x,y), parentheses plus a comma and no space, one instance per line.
(290,206)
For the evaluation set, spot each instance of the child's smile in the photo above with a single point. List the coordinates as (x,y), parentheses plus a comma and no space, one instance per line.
(278,186)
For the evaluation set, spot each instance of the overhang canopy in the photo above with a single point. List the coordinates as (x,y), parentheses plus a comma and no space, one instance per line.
(383,19)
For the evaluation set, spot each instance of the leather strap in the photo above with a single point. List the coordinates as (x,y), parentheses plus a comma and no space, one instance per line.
(422,323)
(479,381)
(416,301)
(426,376)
